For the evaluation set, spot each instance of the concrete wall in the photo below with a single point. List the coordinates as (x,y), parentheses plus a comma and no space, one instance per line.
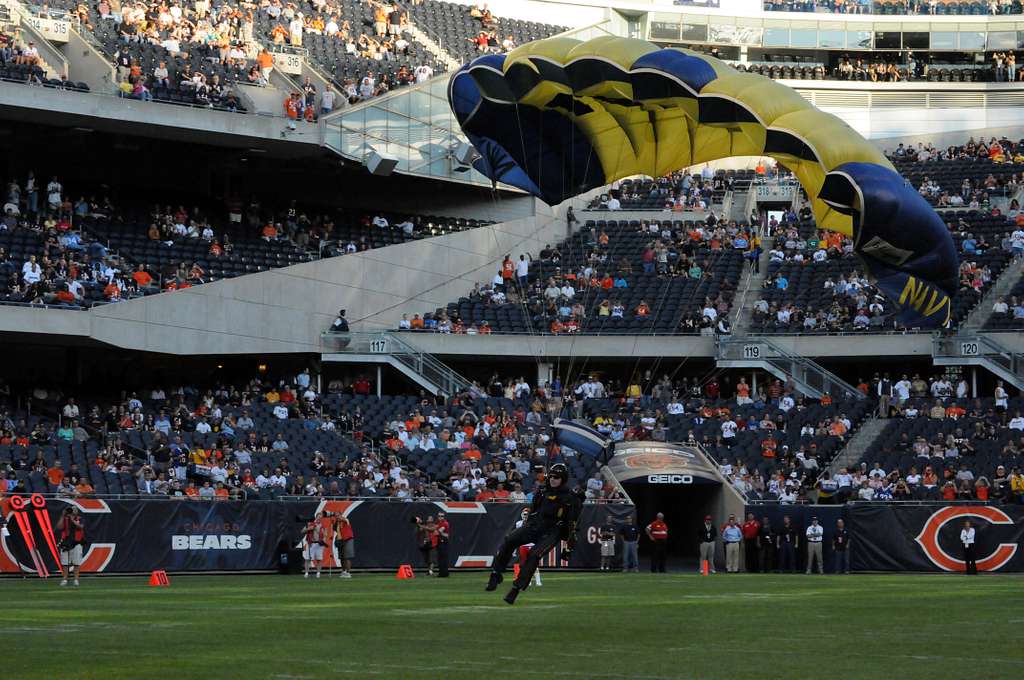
(286,310)
(108,112)
(86,64)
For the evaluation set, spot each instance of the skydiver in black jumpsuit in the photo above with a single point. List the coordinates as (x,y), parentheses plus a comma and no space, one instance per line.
(553,517)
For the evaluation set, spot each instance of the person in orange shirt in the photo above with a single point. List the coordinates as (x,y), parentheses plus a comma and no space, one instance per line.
(83,487)
(221,494)
(837,428)
(826,399)
(508,269)
(643,309)
(112,292)
(142,277)
(416,323)
(55,475)
(769,447)
(292,109)
(266,62)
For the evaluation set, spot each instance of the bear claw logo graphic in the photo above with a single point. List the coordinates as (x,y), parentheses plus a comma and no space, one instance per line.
(23,510)
(928,539)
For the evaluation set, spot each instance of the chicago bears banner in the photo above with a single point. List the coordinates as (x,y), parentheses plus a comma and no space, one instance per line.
(927,537)
(196,536)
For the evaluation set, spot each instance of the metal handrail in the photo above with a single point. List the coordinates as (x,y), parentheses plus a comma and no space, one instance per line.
(829,381)
(390,344)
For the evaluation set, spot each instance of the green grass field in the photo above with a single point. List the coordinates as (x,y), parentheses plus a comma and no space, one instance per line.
(576,626)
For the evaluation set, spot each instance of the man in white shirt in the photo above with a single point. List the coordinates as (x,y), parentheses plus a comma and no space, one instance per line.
(815,532)
(729,432)
(967,541)
(614,204)
(423,73)
(281,411)
(902,389)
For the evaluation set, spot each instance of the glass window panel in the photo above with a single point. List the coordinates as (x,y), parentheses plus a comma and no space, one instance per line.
(661,30)
(915,40)
(694,33)
(804,37)
(376,122)
(419,105)
(831,38)
(1002,40)
(399,104)
(727,34)
(943,40)
(972,40)
(775,37)
(1020,39)
(887,40)
(858,39)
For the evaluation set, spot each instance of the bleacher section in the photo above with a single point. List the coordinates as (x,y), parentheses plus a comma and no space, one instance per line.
(703,418)
(355,20)
(112,449)
(676,277)
(816,288)
(88,245)
(978,438)
(456,27)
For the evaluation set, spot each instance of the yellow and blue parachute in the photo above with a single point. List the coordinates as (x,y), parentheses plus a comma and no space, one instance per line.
(559,117)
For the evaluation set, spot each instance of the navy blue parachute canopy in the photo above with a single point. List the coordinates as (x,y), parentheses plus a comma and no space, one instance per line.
(581,439)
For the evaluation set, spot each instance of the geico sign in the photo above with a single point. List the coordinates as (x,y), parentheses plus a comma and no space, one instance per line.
(670,479)
(211,542)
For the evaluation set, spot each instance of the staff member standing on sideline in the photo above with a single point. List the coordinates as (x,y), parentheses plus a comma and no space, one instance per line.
(630,536)
(751,528)
(444,534)
(967,541)
(815,533)
(706,535)
(657,531)
(732,535)
(788,544)
(841,548)
(767,545)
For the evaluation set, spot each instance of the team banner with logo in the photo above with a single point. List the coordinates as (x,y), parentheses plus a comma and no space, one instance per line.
(185,535)
(927,537)
(661,463)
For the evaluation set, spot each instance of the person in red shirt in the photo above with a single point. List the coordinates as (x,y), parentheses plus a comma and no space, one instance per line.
(751,528)
(508,270)
(72,535)
(345,541)
(444,534)
(657,531)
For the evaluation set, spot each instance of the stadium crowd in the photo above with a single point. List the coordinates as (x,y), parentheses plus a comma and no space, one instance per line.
(898,7)
(939,444)
(613,277)
(66,247)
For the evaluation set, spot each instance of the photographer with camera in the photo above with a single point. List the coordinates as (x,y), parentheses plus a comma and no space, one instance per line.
(72,535)
(426,541)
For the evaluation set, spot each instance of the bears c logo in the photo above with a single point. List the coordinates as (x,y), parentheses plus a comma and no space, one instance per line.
(928,539)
